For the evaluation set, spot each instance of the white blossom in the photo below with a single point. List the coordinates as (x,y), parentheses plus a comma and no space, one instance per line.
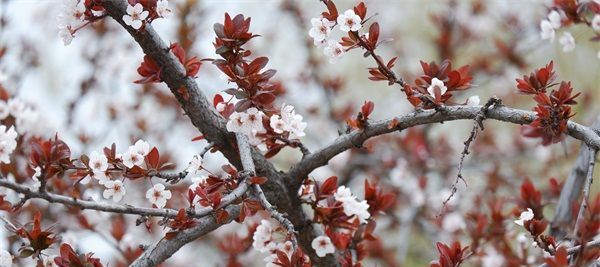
(492,258)
(321,28)
(70,17)
(289,121)
(101,177)
(6,260)
(262,236)
(555,19)
(35,186)
(158,195)
(525,216)
(8,143)
(235,122)
(547,30)
(473,101)
(349,21)
(323,245)
(320,43)
(453,222)
(28,120)
(135,16)
(436,84)
(131,158)
(253,121)
(4,112)
(16,107)
(248,122)
(98,162)
(162,8)
(333,51)
(114,189)
(352,206)
(140,147)
(342,194)
(596,23)
(567,41)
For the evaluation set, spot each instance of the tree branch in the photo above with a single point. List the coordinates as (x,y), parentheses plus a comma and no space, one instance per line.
(164,248)
(586,190)
(207,120)
(477,125)
(575,249)
(118,208)
(571,191)
(420,117)
(248,164)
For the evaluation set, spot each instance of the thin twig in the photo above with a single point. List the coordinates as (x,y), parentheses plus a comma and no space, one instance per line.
(477,126)
(117,208)
(586,191)
(248,163)
(295,143)
(176,177)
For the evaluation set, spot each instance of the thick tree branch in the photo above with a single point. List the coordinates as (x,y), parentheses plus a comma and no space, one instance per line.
(212,125)
(186,90)
(164,248)
(420,117)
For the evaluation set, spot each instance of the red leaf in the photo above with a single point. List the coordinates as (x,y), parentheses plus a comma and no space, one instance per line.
(198,138)
(361,10)
(221,216)
(367,109)
(258,180)
(153,158)
(329,186)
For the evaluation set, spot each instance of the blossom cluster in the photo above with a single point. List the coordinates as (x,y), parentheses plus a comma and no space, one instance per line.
(348,21)
(76,14)
(266,240)
(341,215)
(566,13)
(351,206)
(8,143)
(71,17)
(26,118)
(138,13)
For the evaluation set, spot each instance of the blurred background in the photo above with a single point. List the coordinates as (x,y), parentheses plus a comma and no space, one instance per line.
(85,93)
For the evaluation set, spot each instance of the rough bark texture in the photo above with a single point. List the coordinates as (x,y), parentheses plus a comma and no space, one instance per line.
(212,125)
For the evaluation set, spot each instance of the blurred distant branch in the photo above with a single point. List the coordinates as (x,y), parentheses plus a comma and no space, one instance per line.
(571,191)
(586,189)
